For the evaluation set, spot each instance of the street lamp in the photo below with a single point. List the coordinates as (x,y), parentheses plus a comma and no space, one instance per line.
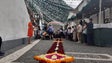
(100,9)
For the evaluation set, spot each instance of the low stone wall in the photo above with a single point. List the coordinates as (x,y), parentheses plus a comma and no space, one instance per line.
(10,44)
(103,36)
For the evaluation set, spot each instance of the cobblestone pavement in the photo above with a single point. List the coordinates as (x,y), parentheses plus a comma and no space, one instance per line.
(69,46)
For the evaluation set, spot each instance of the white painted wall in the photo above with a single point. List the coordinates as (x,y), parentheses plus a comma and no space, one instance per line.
(13,19)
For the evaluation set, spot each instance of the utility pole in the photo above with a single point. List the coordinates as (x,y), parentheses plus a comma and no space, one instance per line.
(100,10)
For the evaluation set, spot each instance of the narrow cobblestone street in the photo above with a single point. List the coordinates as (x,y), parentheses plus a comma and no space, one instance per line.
(81,52)
(45,31)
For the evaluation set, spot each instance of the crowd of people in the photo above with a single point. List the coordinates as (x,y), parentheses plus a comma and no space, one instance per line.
(82,32)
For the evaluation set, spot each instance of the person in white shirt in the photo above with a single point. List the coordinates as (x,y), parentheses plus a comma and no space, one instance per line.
(79,31)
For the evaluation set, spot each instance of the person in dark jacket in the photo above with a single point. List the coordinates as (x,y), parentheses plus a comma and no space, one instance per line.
(1,53)
(90,32)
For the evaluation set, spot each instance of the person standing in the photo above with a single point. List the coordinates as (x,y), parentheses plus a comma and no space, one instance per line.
(30,31)
(1,53)
(50,31)
(74,33)
(69,33)
(79,31)
(84,32)
(61,32)
(90,32)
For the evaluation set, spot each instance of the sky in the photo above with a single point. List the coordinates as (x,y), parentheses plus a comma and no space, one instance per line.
(73,3)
